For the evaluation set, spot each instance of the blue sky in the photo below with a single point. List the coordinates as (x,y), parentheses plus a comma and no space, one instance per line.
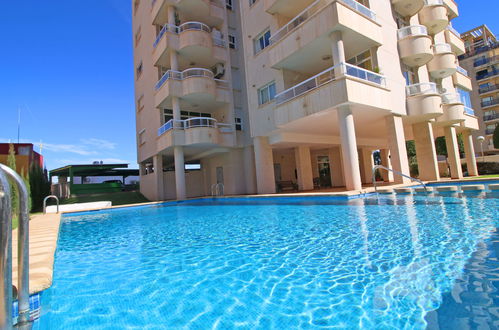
(68,65)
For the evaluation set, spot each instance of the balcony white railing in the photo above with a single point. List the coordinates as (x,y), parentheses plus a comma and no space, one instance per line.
(462,70)
(164,29)
(453,30)
(194,122)
(412,31)
(326,77)
(469,111)
(441,48)
(219,42)
(433,2)
(177,75)
(421,88)
(194,26)
(451,98)
(315,7)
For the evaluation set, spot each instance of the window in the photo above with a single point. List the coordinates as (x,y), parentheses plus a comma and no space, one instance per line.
(168,115)
(363,60)
(239,124)
(252,2)
(23,151)
(266,93)
(465,97)
(142,137)
(410,75)
(138,36)
(140,105)
(232,41)
(262,41)
(228,4)
(138,70)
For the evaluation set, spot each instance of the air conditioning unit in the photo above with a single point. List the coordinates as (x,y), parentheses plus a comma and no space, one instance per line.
(219,70)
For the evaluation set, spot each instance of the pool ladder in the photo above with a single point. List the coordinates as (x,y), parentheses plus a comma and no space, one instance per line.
(395,172)
(6,289)
(217,189)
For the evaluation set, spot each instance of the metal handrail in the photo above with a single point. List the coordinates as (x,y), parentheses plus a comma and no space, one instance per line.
(412,30)
(6,318)
(441,48)
(217,189)
(395,172)
(421,88)
(197,26)
(45,203)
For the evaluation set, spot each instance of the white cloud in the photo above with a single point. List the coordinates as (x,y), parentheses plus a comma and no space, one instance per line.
(99,143)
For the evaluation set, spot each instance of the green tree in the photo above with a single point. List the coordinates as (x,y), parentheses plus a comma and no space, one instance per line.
(11,162)
(411,155)
(495,137)
(39,186)
(25,177)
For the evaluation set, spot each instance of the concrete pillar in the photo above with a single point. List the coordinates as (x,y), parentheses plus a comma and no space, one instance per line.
(157,161)
(349,149)
(425,151)
(469,152)
(336,165)
(398,151)
(173,60)
(366,165)
(171,15)
(176,108)
(264,162)
(453,157)
(304,168)
(386,162)
(249,170)
(338,51)
(178,153)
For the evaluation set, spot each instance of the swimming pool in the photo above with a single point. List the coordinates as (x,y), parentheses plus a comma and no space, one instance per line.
(265,263)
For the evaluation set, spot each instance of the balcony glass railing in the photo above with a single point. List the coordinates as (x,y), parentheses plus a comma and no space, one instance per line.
(487,75)
(469,111)
(451,98)
(433,2)
(196,26)
(188,26)
(164,29)
(413,30)
(421,88)
(190,123)
(177,75)
(453,30)
(327,76)
(489,103)
(491,116)
(441,49)
(488,88)
(314,8)
(462,71)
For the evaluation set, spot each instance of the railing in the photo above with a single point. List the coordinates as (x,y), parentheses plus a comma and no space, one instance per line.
(376,167)
(491,117)
(197,26)
(489,131)
(488,88)
(164,29)
(222,83)
(462,71)
(433,2)
(421,88)
(169,125)
(314,8)
(194,122)
(200,122)
(453,30)
(441,48)
(45,203)
(6,291)
(217,189)
(483,61)
(219,42)
(225,128)
(451,98)
(489,103)
(487,75)
(412,30)
(478,50)
(327,76)
(177,75)
(469,111)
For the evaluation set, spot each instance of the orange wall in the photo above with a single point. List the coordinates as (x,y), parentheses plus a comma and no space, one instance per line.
(22,162)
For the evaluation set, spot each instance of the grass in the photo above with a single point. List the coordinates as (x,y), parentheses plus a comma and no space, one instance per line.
(118,198)
(487,176)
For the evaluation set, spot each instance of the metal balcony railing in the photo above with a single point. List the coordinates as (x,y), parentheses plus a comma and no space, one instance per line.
(469,111)
(462,71)
(164,29)
(488,88)
(177,75)
(314,8)
(195,122)
(451,98)
(421,89)
(453,30)
(412,31)
(433,2)
(327,76)
(196,26)
(491,117)
(487,75)
(489,103)
(483,61)
(188,26)
(441,49)
(489,131)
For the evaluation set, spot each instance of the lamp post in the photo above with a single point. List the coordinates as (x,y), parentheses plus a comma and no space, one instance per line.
(481,139)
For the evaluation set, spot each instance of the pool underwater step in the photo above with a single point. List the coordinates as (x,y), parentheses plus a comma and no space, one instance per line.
(471,188)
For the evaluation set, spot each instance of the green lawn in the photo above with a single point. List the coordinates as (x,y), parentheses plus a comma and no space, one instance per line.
(118,198)
(485,176)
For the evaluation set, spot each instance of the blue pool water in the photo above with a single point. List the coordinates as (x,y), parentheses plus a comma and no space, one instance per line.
(265,263)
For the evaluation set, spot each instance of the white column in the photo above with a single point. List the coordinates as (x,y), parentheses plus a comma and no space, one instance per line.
(178,153)
(264,162)
(157,161)
(453,157)
(398,151)
(171,15)
(385,161)
(469,151)
(366,165)
(304,168)
(349,149)
(336,166)
(338,51)
(249,170)
(425,151)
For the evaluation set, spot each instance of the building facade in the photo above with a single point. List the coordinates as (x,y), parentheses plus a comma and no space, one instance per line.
(25,154)
(482,63)
(314,86)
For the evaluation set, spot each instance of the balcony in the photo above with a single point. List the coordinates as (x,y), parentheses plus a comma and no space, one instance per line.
(196,85)
(489,103)
(461,79)
(423,102)
(443,63)
(453,38)
(200,131)
(491,117)
(211,12)
(452,9)
(488,89)
(489,131)
(414,45)
(305,39)
(338,85)
(284,8)
(453,110)
(482,61)
(489,74)
(434,16)
(194,42)
(407,8)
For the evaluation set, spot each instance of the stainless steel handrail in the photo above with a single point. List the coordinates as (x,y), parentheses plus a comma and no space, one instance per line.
(395,172)
(22,250)
(217,189)
(5,254)
(45,203)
